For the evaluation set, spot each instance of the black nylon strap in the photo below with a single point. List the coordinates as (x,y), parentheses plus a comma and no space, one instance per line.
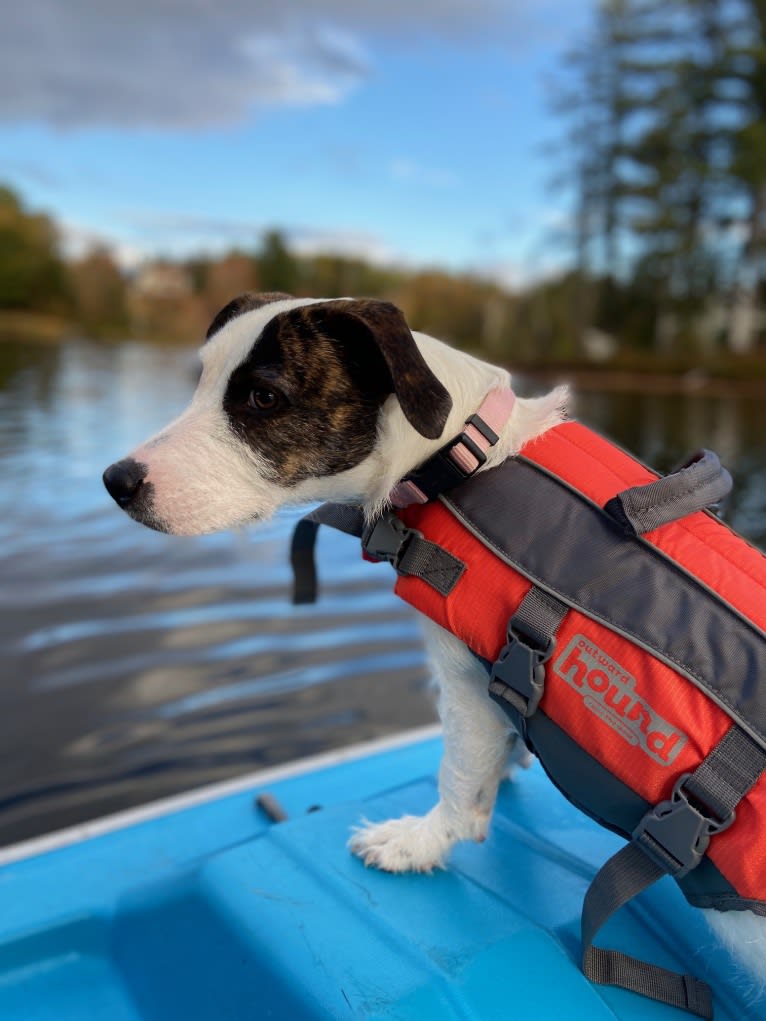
(346,518)
(702,482)
(719,783)
(433,564)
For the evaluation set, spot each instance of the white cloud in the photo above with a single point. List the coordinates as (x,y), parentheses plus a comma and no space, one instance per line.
(77,240)
(434,177)
(353,244)
(174,65)
(518,274)
(154,225)
(144,234)
(195,63)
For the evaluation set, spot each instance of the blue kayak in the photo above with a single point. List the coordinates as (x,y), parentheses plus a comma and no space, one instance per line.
(203,907)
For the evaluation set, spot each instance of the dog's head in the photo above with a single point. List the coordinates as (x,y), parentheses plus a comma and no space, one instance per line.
(291,392)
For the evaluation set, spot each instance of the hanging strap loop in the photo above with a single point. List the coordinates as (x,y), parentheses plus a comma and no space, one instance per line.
(623,877)
(701,482)
(346,518)
(670,839)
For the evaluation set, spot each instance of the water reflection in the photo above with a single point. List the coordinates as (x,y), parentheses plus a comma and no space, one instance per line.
(663,430)
(136,664)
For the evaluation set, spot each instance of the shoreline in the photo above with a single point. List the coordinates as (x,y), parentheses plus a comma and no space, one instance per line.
(743,376)
(691,383)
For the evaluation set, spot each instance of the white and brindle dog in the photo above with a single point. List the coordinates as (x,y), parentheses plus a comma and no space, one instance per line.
(303,400)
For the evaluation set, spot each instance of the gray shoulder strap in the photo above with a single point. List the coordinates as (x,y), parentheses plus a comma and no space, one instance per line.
(671,839)
(517,677)
(700,483)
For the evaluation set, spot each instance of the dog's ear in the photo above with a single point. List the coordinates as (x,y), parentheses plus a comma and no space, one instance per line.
(369,328)
(246,302)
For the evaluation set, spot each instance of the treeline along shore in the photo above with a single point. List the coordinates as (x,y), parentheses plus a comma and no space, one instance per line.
(45,297)
(662,154)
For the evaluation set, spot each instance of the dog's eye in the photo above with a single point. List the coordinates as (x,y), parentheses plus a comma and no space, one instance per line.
(263,399)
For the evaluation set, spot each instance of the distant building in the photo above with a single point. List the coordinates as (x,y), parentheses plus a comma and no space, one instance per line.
(162,280)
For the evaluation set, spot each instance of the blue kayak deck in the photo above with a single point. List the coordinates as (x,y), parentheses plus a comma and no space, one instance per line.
(215,913)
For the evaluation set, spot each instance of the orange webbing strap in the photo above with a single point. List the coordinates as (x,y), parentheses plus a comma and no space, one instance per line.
(671,839)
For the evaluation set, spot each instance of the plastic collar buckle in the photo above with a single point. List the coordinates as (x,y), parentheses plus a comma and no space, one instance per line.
(465,440)
(443,471)
(521,667)
(388,539)
(676,834)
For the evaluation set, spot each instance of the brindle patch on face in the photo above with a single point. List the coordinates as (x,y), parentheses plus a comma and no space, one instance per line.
(330,387)
(246,302)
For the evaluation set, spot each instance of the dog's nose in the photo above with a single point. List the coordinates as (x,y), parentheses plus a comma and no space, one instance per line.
(123,480)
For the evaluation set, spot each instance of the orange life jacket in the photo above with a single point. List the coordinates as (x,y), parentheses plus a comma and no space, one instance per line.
(624,629)
(602,688)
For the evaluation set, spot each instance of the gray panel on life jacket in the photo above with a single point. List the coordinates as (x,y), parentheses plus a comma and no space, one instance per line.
(570,547)
(596,791)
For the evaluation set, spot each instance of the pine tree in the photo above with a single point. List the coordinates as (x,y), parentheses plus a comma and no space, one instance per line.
(748,165)
(662,105)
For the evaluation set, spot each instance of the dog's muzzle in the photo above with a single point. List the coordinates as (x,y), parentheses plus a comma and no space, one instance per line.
(124,481)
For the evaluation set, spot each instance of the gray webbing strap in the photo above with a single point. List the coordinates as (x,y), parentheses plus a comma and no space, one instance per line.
(518,674)
(346,518)
(702,482)
(624,876)
(538,617)
(671,839)
(727,774)
(387,539)
(411,554)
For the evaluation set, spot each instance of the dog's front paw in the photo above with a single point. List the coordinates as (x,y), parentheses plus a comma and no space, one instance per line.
(410,844)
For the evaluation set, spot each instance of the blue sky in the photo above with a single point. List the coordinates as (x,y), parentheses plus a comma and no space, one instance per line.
(178,126)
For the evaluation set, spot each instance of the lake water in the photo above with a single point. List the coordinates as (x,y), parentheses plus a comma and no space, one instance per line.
(135,665)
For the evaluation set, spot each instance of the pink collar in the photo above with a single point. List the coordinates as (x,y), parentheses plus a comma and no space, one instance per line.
(462,456)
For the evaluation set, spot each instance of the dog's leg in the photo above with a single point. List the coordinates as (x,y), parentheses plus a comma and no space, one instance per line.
(476,745)
(743,933)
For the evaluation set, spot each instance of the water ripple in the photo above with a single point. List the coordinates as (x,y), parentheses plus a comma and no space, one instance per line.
(135,665)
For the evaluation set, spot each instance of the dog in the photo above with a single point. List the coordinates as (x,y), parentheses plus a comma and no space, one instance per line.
(303,400)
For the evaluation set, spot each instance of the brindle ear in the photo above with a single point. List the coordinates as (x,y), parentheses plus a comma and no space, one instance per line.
(424,401)
(246,302)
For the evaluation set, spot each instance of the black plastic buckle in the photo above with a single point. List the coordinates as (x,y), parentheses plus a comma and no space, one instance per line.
(520,670)
(441,472)
(389,538)
(676,834)
(478,423)
(474,448)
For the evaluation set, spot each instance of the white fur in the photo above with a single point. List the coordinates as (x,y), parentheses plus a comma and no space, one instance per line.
(477,741)
(205,479)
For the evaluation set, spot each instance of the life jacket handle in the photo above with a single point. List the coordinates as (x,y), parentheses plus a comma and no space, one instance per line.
(701,482)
